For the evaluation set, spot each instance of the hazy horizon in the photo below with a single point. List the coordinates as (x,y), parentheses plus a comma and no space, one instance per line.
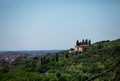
(56,24)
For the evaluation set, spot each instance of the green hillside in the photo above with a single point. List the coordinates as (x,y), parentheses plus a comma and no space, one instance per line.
(100,62)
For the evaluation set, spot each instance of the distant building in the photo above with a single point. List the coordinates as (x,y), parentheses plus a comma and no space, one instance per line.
(81,46)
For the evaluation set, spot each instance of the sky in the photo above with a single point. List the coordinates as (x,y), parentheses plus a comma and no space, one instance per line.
(56,24)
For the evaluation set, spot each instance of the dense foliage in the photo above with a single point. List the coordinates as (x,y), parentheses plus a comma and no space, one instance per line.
(100,62)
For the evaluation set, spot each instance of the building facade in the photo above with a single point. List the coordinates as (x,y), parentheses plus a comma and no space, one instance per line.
(82,46)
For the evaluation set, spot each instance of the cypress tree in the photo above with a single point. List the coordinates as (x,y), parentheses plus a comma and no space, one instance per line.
(44,59)
(77,43)
(66,55)
(89,42)
(57,57)
(41,61)
(86,41)
(83,42)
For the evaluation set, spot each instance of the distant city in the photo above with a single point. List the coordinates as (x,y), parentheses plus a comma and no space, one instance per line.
(10,56)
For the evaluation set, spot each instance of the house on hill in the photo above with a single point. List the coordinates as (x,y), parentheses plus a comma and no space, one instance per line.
(81,46)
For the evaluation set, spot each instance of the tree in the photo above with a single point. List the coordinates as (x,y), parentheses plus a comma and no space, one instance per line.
(84,77)
(47,60)
(58,75)
(57,57)
(89,42)
(83,42)
(5,69)
(86,41)
(77,43)
(66,55)
(43,60)
(71,49)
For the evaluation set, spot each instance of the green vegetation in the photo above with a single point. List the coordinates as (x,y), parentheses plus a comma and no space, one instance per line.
(100,62)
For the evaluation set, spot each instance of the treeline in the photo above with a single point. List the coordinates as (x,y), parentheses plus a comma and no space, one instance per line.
(83,42)
(55,57)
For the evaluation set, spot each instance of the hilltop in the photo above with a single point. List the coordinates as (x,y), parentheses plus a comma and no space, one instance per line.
(99,62)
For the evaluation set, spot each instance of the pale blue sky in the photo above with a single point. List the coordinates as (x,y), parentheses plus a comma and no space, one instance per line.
(56,24)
